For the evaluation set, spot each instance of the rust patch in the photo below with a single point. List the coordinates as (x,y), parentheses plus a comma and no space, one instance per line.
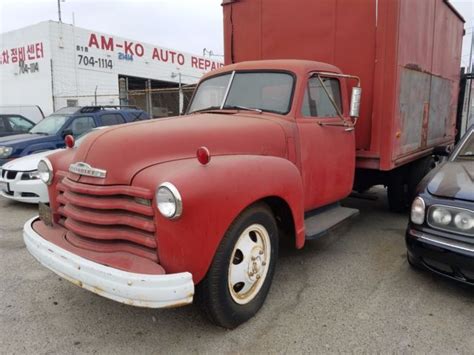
(424,127)
(413,67)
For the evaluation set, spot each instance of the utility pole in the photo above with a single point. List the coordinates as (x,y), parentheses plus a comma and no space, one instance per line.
(59,10)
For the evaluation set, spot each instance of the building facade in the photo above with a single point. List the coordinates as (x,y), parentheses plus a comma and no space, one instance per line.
(53,65)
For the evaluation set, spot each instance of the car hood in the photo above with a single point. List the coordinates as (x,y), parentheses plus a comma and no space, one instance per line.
(125,150)
(453,180)
(23,139)
(29,162)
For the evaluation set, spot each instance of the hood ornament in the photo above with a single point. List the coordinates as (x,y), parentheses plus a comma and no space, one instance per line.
(85,169)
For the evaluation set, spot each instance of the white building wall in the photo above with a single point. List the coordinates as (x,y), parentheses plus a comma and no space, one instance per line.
(83,60)
(25,67)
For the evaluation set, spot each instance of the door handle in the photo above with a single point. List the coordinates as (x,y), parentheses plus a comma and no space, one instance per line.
(349,129)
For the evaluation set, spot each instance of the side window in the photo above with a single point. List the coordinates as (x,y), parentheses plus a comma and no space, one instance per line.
(19,124)
(81,125)
(110,119)
(316,102)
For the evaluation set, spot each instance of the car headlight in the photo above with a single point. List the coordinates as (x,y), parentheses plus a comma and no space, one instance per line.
(451,219)
(30,175)
(464,221)
(169,201)
(418,211)
(5,152)
(45,171)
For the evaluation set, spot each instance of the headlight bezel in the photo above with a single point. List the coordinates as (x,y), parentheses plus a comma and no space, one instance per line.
(3,150)
(421,204)
(450,227)
(49,167)
(178,201)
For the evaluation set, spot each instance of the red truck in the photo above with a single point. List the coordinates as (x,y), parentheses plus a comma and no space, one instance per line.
(156,214)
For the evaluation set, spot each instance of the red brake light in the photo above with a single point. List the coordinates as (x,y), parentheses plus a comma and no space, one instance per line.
(69,141)
(203,155)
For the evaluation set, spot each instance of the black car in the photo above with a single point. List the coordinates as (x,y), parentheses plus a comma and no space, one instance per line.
(440,234)
(11,124)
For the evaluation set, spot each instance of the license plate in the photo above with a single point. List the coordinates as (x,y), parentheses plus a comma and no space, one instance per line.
(45,214)
(4,186)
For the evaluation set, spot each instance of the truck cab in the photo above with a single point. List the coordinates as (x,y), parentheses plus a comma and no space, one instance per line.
(161,213)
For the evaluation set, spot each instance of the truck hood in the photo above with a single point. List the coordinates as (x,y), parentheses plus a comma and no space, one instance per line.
(125,150)
(454,180)
(29,162)
(23,140)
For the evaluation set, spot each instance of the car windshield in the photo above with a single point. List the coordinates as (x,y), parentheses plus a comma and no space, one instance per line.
(466,152)
(254,91)
(50,125)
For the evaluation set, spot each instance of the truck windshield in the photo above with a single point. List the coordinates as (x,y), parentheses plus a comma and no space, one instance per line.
(265,91)
(50,125)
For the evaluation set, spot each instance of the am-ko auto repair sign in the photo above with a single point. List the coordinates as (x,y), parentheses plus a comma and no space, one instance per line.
(104,52)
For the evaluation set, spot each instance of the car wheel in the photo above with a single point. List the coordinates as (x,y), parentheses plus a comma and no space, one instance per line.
(413,262)
(241,272)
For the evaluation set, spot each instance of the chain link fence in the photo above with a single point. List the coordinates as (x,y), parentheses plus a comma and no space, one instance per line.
(162,102)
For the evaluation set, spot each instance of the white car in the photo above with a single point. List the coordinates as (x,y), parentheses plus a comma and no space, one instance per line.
(19,179)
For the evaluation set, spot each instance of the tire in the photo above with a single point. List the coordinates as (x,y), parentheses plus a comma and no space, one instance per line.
(397,194)
(417,172)
(231,294)
(413,263)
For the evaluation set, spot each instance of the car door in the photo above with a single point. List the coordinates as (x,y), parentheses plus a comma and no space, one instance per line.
(327,146)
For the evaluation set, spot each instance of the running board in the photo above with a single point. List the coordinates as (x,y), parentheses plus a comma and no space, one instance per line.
(321,221)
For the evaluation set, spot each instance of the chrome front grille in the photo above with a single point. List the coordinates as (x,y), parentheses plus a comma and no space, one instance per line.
(108,218)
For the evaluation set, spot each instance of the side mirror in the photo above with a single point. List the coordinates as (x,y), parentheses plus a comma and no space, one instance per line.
(355,101)
(443,150)
(67,132)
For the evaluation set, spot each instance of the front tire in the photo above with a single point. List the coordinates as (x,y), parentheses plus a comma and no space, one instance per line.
(241,273)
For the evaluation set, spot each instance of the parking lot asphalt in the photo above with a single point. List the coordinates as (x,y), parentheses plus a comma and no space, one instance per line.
(351,291)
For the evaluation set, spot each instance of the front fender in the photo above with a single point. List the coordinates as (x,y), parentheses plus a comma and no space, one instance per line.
(213,196)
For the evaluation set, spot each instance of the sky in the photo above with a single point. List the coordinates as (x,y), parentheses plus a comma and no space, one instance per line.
(185,25)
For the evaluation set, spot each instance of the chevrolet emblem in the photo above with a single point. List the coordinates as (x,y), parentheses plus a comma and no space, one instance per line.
(87,170)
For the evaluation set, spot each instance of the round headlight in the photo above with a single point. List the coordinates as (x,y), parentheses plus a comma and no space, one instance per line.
(45,171)
(442,216)
(464,221)
(418,211)
(169,201)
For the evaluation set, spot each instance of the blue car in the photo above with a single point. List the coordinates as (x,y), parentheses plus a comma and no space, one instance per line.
(49,133)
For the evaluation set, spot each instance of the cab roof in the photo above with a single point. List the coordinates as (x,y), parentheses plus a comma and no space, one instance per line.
(297,66)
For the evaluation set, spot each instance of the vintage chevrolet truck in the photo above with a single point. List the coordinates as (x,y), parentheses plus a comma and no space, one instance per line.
(161,213)
(143,213)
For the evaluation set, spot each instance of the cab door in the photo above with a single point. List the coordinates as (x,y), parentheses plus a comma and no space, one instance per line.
(327,152)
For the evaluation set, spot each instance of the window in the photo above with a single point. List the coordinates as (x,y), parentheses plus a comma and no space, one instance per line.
(316,102)
(20,124)
(81,125)
(110,119)
(265,91)
(3,126)
(71,103)
(50,125)
(210,93)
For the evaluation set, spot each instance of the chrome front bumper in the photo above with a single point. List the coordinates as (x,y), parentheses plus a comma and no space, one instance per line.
(142,290)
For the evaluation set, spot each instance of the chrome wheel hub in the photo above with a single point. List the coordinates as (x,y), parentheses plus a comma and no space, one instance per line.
(248,265)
